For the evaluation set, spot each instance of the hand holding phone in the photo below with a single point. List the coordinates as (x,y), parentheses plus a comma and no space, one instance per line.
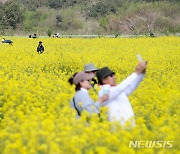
(139,57)
(142,63)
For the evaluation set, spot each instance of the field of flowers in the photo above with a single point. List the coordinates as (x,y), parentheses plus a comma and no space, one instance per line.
(35,113)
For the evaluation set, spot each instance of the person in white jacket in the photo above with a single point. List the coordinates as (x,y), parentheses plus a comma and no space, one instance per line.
(118,103)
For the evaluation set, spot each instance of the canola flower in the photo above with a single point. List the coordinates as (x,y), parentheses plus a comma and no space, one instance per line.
(35,113)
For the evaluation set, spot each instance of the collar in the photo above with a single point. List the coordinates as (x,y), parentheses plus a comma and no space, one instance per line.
(83,89)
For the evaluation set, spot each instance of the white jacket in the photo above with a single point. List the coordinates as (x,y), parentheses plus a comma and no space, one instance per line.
(118,103)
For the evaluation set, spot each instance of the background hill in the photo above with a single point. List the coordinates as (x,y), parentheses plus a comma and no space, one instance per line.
(21,17)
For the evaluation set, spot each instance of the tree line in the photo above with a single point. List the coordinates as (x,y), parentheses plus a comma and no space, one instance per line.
(89,16)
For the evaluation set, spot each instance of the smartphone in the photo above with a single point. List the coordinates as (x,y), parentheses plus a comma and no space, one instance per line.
(139,57)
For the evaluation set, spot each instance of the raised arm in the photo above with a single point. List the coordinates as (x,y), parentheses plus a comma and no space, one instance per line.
(134,85)
(120,88)
(117,90)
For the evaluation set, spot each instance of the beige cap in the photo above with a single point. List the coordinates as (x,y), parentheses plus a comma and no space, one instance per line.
(81,76)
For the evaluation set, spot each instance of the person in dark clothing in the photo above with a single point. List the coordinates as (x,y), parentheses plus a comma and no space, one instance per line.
(3,40)
(40,48)
(151,34)
(34,36)
(7,41)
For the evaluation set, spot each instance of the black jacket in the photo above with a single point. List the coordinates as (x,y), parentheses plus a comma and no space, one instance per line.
(40,48)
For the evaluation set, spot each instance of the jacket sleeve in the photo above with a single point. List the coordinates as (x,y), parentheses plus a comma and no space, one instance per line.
(120,88)
(88,104)
(134,85)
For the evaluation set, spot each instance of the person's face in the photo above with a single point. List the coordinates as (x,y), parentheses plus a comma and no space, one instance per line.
(86,84)
(111,79)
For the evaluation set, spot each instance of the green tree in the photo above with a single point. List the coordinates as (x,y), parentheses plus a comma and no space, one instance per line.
(49,32)
(34,20)
(103,7)
(59,20)
(61,3)
(68,20)
(32,5)
(55,4)
(11,14)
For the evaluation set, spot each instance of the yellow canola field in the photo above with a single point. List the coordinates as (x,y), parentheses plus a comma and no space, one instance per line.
(35,113)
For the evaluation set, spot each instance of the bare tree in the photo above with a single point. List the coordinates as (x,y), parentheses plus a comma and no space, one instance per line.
(149,18)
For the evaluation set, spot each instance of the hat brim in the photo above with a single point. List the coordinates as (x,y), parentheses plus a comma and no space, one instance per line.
(94,70)
(88,76)
(82,77)
(112,73)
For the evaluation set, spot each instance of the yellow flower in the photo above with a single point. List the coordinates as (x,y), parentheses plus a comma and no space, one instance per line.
(35,112)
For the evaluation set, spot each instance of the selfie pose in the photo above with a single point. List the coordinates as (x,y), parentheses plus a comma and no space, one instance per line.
(118,103)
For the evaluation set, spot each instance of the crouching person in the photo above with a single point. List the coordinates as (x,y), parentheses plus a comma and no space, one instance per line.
(82,100)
